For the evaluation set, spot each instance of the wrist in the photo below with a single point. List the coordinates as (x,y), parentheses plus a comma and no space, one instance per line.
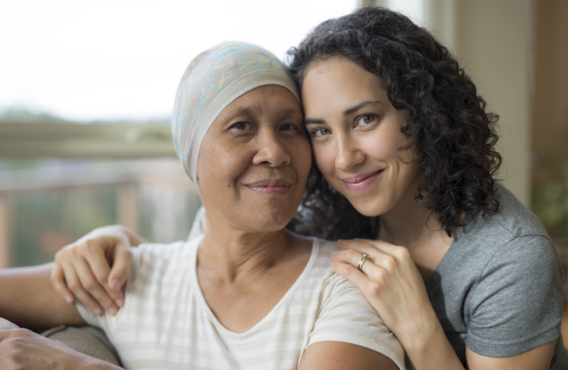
(421,338)
(418,328)
(433,341)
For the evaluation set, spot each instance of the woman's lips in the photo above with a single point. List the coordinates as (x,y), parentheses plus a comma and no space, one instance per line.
(360,183)
(276,186)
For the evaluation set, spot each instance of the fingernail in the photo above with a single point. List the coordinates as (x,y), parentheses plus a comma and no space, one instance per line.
(112,311)
(69,299)
(115,284)
(97,311)
(119,302)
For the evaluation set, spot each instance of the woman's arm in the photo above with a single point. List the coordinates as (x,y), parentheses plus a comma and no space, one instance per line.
(28,299)
(393,286)
(95,268)
(338,355)
(23,349)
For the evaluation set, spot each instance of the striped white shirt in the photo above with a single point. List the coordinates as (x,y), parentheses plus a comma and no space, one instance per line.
(167,324)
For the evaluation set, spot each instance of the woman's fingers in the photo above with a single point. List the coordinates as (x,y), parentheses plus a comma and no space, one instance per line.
(93,287)
(74,284)
(119,273)
(96,259)
(384,254)
(351,273)
(58,281)
(84,268)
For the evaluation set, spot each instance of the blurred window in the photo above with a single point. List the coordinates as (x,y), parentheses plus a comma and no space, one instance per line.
(86,91)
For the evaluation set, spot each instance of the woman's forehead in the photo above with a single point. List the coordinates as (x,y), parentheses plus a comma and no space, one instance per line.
(269,99)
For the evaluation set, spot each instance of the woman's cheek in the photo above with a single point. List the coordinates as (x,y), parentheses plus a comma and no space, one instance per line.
(325,159)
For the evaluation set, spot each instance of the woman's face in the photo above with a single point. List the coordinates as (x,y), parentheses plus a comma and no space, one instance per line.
(356,137)
(254,161)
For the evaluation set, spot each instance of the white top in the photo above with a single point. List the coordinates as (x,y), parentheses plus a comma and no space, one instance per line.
(167,324)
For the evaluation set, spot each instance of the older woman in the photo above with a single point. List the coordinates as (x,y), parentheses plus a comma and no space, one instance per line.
(247,294)
(462,273)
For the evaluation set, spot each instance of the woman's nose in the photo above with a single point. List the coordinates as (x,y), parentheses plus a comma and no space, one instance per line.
(348,153)
(271,151)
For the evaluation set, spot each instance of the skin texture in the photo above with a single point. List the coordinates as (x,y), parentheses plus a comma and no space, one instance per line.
(355,132)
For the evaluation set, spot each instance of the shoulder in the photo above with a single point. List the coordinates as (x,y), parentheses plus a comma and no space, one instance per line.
(337,292)
(156,254)
(153,261)
(514,228)
(514,218)
(344,314)
(513,277)
(512,244)
(325,247)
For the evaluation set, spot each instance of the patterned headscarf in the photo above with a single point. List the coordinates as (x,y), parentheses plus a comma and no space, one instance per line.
(213,80)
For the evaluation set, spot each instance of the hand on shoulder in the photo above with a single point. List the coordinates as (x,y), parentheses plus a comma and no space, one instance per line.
(95,268)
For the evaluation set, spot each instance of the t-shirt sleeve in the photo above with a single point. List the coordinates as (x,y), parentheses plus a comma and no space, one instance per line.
(517,304)
(346,316)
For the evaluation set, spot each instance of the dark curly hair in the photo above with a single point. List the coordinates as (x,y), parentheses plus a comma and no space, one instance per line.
(449,129)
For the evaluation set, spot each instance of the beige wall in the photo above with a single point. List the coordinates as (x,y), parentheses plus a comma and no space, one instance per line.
(550,104)
(489,37)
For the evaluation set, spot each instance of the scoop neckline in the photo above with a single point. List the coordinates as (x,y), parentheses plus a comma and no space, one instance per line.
(205,307)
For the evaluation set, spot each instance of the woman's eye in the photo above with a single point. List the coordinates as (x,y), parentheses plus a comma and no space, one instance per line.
(319,132)
(242,126)
(365,120)
(287,127)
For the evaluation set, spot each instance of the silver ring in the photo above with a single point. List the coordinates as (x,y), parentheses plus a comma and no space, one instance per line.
(360,267)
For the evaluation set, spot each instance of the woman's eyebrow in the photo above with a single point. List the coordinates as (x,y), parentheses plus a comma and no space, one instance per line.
(307,121)
(346,112)
(355,108)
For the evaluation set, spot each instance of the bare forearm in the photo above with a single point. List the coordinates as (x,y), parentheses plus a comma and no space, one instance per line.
(437,353)
(433,352)
(28,299)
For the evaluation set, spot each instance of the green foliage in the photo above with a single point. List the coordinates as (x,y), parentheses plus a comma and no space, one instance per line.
(550,203)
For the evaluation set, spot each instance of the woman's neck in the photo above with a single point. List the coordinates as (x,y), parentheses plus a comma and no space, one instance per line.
(409,224)
(232,252)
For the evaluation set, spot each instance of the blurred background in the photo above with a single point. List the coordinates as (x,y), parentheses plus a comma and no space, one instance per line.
(86,91)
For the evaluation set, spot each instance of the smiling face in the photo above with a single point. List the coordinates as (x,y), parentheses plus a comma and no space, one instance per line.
(255,160)
(356,136)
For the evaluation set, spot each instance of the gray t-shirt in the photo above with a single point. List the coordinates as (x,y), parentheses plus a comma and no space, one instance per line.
(498,289)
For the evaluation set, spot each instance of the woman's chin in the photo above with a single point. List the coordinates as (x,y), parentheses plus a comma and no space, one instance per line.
(369,207)
(263,221)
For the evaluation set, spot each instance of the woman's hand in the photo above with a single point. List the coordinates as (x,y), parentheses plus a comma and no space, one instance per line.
(24,349)
(391,283)
(95,268)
